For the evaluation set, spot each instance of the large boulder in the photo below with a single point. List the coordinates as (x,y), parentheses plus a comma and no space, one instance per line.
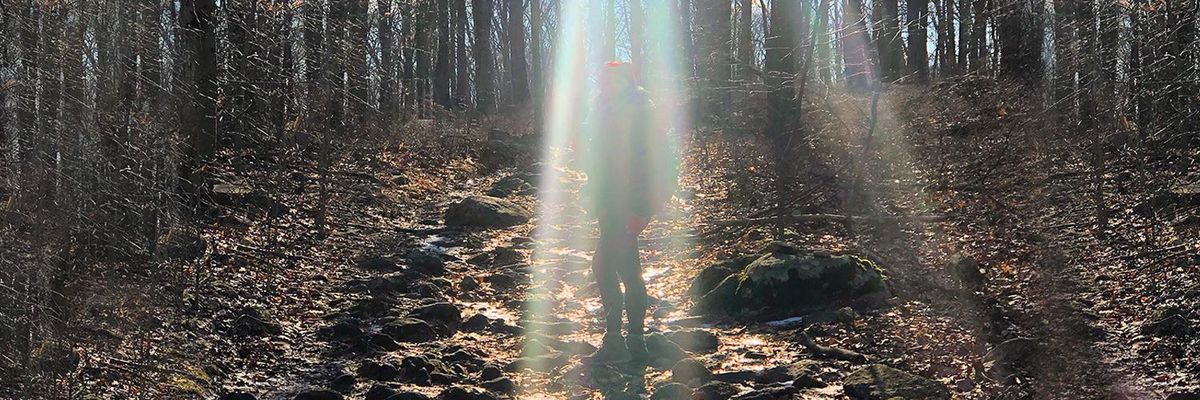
(881,382)
(787,279)
(486,211)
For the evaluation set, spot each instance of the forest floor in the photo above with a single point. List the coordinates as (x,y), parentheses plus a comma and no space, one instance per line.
(273,309)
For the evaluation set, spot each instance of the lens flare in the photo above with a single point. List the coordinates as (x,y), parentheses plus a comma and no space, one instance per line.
(564,233)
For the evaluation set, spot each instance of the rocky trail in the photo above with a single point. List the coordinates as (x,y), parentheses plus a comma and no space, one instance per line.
(465,280)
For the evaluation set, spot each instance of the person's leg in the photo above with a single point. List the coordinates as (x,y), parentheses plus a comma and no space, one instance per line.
(605,271)
(612,349)
(629,269)
(636,298)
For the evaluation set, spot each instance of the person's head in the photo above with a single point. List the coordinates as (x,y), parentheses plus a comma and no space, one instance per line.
(616,77)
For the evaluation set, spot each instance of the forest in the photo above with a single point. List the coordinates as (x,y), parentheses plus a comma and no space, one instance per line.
(466,199)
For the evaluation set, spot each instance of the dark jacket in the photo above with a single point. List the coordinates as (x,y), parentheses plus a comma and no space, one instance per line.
(628,156)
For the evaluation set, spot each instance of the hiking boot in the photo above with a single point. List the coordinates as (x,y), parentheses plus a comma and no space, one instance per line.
(636,344)
(612,351)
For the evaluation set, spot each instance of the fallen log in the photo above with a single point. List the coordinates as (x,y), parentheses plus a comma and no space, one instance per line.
(829,351)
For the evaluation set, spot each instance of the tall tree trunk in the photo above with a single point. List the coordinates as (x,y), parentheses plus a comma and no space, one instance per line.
(358,82)
(780,71)
(964,33)
(517,66)
(637,42)
(859,69)
(1065,58)
(889,42)
(536,38)
(485,63)
(745,39)
(199,116)
(442,78)
(388,95)
(688,47)
(462,73)
(1089,82)
(918,36)
(313,34)
(979,60)
(713,33)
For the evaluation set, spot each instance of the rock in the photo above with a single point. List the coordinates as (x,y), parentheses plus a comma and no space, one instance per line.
(498,257)
(344,383)
(321,394)
(427,263)
(846,315)
(1167,320)
(710,277)
(511,185)
(468,284)
(788,280)
(769,393)
(251,321)
(381,392)
(715,391)
(445,318)
(688,369)
(672,391)
(734,376)
(881,382)
(379,264)
(499,385)
(377,371)
(385,285)
(383,341)
(662,351)
(410,330)
(1193,395)
(490,372)
(1017,352)
(238,396)
(966,270)
(540,363)
(695,340)
(802,374)
(459,393)
(486,211)
(476,323)
(345,329)
(420,370)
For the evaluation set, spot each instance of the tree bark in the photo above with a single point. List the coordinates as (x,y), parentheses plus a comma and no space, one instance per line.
(517,66)
(442,76)
(388,94)
(485,63)
(889,42)
(918,36)
(745,42)
(199,116)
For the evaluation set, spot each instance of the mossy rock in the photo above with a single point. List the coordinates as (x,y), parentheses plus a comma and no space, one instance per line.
(788,280)
(486,211)
(519,185)
(881,382)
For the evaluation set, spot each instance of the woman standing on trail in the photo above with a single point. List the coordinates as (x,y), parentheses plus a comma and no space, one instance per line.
(631,175)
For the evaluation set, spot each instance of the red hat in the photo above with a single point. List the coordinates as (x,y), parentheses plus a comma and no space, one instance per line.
(617,73)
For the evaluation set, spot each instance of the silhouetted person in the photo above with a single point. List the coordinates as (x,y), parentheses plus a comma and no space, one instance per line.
(631,175)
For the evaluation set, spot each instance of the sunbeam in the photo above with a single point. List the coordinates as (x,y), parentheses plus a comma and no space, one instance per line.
(570,126)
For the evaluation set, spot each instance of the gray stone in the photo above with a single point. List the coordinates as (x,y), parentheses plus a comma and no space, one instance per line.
(788,279)
(486,211)
(881,382)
